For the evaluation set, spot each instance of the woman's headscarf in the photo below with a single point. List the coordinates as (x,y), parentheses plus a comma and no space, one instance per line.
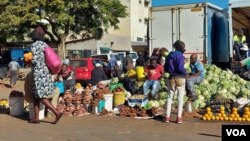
(38,34)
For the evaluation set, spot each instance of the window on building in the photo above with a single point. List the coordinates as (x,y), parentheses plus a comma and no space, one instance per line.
(139,39)
(146,3)
(145,20)
(79,53)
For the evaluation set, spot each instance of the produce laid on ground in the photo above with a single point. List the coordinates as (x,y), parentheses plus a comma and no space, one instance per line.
(220,84)
(223,116)
(80,103)
(216,95)
(71,105)
(4,106)
(126,111)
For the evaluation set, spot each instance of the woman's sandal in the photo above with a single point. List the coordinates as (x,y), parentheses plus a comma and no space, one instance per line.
(58,118)
(34,121)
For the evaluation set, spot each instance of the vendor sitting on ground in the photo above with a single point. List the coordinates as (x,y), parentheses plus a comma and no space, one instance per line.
(153,73)
(195,77)
(68,77)
(239,40)
(98,74)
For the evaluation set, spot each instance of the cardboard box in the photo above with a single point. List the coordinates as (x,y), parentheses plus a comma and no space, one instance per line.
(139,100)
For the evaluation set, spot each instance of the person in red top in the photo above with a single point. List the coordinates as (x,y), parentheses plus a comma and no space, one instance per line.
(154,72)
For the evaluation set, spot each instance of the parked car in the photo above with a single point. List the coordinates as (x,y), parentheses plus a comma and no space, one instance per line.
(122,55)
(107,57)
(83,67)
(118,55)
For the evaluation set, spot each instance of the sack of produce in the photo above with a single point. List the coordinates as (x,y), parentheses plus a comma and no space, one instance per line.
(241,102)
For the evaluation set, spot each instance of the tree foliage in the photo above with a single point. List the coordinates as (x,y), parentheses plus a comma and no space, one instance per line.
(88,18)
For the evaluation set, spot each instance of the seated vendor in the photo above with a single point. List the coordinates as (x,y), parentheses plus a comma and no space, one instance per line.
(98,74)
(239,40)
(195,77)
(153,72)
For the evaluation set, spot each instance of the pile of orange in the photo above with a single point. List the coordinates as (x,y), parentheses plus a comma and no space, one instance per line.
(208,115)
(27,57)
(234,116)
(246,115)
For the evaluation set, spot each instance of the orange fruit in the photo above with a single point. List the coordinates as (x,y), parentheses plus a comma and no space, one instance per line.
(204,118)
(221,118)
(209,112)
(246,109)
(248,119)
(217,118)
(213,117)
(232,115)
(235,109)
(247,112)
(220,115)
(222,112)
(222,108)
(237,115)
(226,118)
(239,119)
(245,116)
(235,119)
(243,119)
(208,118)
(208,109)
(206,115)
(224,115)
(231,119)
(235,112)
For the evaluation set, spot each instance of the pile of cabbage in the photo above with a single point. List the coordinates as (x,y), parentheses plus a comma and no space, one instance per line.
(163,93)
(220,84)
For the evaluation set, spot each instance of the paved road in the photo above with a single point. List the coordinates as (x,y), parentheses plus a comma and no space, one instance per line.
(103,128)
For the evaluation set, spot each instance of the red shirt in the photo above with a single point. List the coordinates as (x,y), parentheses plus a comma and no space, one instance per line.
(154,74)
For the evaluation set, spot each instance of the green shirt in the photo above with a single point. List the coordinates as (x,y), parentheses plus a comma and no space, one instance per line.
(238,39)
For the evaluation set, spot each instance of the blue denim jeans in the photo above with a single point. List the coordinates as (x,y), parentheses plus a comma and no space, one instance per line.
(155,84)
(190,83)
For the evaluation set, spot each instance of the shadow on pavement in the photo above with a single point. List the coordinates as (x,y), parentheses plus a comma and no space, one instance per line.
(204,134)
(24,117)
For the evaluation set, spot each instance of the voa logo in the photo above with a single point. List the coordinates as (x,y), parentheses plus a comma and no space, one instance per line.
(236,132)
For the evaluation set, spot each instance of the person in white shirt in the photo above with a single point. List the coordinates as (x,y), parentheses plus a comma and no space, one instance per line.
(13,68)
(66,60)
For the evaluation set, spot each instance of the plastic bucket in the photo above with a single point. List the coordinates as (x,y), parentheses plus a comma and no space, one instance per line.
(108,102)
(32,113)
(119,98)
(16,106)
(101,105)
(140,73)
(246,61)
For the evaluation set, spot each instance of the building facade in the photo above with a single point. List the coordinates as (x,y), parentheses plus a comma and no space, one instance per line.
(132,32)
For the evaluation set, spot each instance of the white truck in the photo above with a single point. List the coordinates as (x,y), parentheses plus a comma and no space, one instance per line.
(191,23)
(206,29)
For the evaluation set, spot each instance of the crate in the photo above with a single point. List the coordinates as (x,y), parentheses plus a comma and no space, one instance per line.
(139,100)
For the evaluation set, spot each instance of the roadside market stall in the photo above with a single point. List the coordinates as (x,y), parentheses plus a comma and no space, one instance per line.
(222,95)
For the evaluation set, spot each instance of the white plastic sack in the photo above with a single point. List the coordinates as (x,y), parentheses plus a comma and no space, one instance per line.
(241,102)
